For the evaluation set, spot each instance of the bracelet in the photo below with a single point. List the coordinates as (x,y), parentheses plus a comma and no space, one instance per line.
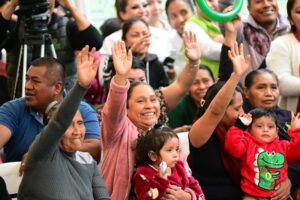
(194,65)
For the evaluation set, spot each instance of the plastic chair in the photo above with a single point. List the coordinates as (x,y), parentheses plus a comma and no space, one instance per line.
(10,174)
(184,141)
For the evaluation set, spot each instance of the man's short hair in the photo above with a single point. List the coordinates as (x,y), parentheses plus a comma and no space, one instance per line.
(55,69)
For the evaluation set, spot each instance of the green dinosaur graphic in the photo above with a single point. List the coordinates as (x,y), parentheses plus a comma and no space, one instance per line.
(265,161)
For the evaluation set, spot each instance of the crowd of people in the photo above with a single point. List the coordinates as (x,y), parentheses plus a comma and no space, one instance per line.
(101,121)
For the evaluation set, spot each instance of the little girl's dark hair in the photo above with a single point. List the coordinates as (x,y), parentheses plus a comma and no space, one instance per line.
(154,140)
(262,112)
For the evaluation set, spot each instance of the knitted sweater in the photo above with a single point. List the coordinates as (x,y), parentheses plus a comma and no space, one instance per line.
(264,165)
(147,181)
(256,43)
(284,60)
(51,173)
(118,140)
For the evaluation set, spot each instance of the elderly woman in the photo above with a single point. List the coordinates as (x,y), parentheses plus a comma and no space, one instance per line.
(55,169)
(220,112)
(130,111)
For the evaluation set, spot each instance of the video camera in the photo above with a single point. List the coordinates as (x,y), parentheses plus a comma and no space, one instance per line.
(32,30)
(34,15)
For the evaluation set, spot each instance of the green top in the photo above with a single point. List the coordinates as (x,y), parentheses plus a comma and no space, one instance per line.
(210,29)
(184,113)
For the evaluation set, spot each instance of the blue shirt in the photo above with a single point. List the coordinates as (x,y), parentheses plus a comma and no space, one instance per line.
(24,124)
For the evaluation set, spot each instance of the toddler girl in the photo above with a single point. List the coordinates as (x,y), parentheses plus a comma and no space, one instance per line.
(160,172)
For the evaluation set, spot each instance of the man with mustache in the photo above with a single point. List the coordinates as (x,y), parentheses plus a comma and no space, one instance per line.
(263,24)
(22,119)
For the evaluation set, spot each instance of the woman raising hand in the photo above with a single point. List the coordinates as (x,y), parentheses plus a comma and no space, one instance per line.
(131,110)
(210,164)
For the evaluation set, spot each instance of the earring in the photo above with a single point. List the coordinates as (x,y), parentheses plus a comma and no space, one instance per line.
(202,102)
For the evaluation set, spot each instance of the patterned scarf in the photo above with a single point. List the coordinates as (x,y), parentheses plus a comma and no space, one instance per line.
(259,41)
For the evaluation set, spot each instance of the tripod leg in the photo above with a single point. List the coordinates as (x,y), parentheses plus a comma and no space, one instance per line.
(42,50)
(53,51)
(18,71)
(24,70)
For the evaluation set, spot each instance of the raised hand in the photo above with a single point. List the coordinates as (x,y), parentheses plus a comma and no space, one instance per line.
(240,63)
(143,43)
(192,48)
(233,25)
(295,122)
(87,66)
(122,60)
(246,119)
(67,4)
(15,2)
(7,10)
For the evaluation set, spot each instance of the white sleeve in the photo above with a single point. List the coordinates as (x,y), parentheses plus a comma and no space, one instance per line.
(109,42)
(284,59)
(106,47)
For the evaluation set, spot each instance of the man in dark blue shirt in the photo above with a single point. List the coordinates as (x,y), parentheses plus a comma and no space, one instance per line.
(22,119)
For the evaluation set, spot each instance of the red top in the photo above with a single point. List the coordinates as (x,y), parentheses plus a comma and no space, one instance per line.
(263,166)
(147,182)
(297,37)
(2,68)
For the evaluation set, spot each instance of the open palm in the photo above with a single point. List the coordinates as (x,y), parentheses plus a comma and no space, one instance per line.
(122,60)
(240,63)
(192,48)
(65,4)
(87,66)
(234,24)
(295,122)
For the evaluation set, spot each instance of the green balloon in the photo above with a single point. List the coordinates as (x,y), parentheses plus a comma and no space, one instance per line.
(217,16)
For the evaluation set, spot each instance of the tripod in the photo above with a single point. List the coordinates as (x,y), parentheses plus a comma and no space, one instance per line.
(34,41)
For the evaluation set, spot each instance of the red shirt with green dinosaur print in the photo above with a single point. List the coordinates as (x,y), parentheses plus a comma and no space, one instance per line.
(263,166)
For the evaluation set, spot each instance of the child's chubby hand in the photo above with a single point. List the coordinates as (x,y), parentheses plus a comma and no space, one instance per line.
(295,120)
(246,119)
(164,171)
